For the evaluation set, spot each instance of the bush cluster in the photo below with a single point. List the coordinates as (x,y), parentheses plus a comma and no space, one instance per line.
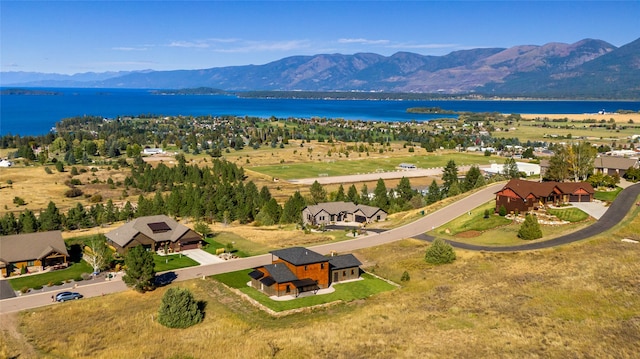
(440,252)
(179,309)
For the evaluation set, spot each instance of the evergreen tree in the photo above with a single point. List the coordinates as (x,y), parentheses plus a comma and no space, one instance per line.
(471,178)
(28,223)
(449,176)
(440,252)
(454,189)
(139,269)
(364,195)
(318,194)
(9,224)
(340,196)
(292,211)
(352,194)
(179,309)
(404,190)
(50,218)
(434,193)
(530,228)
(381,198)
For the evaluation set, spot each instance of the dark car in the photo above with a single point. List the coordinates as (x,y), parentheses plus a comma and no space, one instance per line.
(64,296)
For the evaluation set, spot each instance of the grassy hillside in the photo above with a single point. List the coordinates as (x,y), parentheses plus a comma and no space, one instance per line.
(576,300)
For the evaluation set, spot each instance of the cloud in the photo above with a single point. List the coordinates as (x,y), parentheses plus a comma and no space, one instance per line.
(189,44)
(363,41)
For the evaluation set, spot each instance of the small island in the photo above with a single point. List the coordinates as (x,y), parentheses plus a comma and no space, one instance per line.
(28,92)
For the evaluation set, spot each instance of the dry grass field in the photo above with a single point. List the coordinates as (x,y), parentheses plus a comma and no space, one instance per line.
(578,301)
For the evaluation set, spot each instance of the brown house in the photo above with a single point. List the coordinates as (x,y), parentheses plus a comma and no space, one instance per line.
(524,196)
(154,233)
(296,270)
(33,251)
(612,165)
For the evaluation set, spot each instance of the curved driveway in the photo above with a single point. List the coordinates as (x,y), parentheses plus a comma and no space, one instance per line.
(614,215)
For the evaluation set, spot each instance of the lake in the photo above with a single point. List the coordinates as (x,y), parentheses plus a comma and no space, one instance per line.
(37,114)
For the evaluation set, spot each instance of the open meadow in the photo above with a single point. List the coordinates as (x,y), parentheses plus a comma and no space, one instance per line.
(579,300)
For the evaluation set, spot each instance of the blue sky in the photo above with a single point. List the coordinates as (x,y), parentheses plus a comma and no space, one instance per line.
(82,36)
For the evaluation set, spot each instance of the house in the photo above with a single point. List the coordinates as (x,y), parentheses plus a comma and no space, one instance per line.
(607,165)
(326,213)
(33,251)
(154,233)
(523,196)
(612,165)
(152,151)
(530,169)
(297,270)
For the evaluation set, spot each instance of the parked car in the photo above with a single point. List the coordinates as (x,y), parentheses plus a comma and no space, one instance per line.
(64,296)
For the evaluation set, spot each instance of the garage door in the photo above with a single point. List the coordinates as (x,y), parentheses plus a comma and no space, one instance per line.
(191,245)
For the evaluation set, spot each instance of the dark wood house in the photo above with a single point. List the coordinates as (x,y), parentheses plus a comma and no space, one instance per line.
(154,233)
(33,251)
(523,196)
(296,270)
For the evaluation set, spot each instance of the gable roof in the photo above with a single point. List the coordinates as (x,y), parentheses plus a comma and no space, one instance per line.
(160,228)
(614,162)
(29,246)
(332,207)
(344,261)
(299,256)
(543,189)
(338,207)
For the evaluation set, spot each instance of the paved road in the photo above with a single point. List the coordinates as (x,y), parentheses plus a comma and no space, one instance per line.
(616,213)
(416,229)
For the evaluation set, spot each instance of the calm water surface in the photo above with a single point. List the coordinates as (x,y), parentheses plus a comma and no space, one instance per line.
(34,114)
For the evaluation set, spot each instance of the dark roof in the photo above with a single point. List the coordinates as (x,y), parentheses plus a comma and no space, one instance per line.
(307,284)
(280,273)
(268,281)
(299,256)
(256,274)
(344,261)
(157,227)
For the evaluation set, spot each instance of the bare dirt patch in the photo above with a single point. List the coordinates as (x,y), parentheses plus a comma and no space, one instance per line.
(468,234)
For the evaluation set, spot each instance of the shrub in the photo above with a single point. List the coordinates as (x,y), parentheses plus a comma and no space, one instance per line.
(440,252)
(502,211)
(405,277)
(486,213)
(530,228)
(24,290)
(78,279)
(48,170)
(38,287)
(179,309)
(73,192)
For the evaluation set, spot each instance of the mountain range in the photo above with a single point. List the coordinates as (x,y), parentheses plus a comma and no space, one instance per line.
(586,69)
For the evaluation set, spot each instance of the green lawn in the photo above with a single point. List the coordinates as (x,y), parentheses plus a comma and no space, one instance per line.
(570,214)
(174,261)
(607,195)
(343,167)
(346,292)
(241,246)
(476,221)
(75,270)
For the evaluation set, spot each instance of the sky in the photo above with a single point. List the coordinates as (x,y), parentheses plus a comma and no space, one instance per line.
(71,37)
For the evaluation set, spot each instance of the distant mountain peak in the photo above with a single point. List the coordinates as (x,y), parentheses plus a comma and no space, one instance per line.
(554,69)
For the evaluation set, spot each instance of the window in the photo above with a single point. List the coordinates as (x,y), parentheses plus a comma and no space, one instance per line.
(30,264)
(305,267)
(321,265)
(344,273)
(352,272)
